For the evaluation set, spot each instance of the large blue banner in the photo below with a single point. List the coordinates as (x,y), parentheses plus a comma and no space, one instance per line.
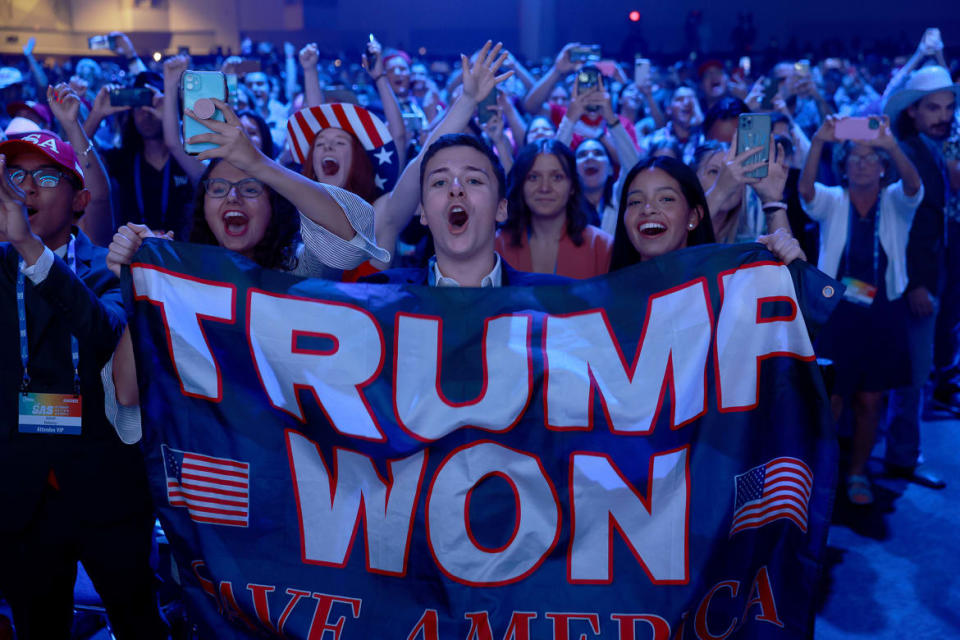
(643,455)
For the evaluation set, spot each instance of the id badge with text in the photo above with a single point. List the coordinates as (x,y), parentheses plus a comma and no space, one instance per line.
(50,413)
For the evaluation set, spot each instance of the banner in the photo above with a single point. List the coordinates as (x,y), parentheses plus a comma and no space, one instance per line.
(643,455)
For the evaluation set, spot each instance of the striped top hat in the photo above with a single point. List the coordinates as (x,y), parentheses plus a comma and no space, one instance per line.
(370,130)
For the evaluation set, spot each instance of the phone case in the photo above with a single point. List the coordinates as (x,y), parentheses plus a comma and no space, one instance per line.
(193,86)
(857,129)
(753,132)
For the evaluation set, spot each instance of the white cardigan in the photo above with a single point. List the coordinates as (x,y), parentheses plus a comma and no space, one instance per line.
(831,208)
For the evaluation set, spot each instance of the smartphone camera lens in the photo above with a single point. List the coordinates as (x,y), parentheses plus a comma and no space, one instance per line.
(874,123)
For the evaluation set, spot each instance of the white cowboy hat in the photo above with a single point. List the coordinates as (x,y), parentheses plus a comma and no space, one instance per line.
(922,82)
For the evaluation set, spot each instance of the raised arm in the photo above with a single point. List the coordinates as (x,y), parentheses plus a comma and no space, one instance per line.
(310,198)
(905,167)
(391,107)
(808,177)
(173,68)
(290,70)
(101,109)
(562,67)
(97,219)
(312,93)
(394,210)
(36,69)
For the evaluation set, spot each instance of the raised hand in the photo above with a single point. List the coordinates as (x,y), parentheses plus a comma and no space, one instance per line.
(173,68)
(124,46)
(101,104)
(64,103)
(375,48)
(563,63)
(770,187)
(14,221)
(885,139)
(827,130)
(480,78)
(309,56)
(232,142)
(79,85)
(783,245)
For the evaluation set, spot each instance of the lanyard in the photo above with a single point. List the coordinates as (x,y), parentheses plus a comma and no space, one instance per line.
(138,187)
(876,241)
(22,317)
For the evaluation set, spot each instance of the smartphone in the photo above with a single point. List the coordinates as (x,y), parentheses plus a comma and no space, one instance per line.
(745,66)
(641,71)
(371,56)
(851,128)
(587,78)
(753,132)
(136,97)
(193,86)
(585,53)
(483,113)
(770,88)
(102,43)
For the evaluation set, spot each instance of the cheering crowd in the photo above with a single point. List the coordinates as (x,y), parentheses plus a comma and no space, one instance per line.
(478,172)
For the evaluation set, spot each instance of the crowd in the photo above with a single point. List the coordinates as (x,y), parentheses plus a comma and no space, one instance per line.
(477,172)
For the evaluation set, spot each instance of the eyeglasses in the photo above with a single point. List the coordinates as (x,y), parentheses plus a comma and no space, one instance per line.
(45,177)
(869,158)
(219,188)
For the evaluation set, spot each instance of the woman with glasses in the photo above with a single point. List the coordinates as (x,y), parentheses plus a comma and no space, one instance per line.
(864,226)
(249,204)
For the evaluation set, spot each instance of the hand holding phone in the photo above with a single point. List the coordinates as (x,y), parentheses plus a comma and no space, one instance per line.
(857,128)
(199,85)
(373,52)
(753,133)
(134,97)
(641,71)
(770,88)
(484,111)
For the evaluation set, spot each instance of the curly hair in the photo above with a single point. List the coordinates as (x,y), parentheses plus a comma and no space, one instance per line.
(519,217)
(277,249)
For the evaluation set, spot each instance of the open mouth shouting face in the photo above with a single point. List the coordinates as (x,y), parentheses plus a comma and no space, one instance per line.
(236,207)
(657,218)
(332,156)
(461,204)
(593,164)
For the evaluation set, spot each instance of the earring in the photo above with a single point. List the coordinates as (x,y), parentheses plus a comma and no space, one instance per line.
(691,226)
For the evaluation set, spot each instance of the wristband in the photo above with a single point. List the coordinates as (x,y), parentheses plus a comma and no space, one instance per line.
(770,207)
(616,123)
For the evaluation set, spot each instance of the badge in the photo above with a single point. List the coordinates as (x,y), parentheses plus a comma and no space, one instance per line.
(859,292)
(51,413)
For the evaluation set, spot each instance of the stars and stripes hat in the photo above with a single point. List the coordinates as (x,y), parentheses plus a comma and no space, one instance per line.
(370,130)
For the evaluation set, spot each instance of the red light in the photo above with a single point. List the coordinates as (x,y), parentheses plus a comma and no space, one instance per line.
(634,16)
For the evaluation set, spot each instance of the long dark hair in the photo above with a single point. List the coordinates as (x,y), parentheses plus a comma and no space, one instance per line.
(278,247)
(519,217)
(624,253)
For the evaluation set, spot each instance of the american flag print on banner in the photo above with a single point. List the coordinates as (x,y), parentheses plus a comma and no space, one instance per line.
(214,490)
(779,489)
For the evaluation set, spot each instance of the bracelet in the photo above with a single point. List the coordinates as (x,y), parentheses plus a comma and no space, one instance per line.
(770,207)
(616,123)
(89,148)
(377,79)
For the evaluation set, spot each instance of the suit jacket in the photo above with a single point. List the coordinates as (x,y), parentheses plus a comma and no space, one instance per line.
(509,275)
(925,245)
(100,478)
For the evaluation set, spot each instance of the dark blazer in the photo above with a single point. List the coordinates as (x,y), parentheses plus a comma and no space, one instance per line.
(100,477)
(509,275)
(925,244)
